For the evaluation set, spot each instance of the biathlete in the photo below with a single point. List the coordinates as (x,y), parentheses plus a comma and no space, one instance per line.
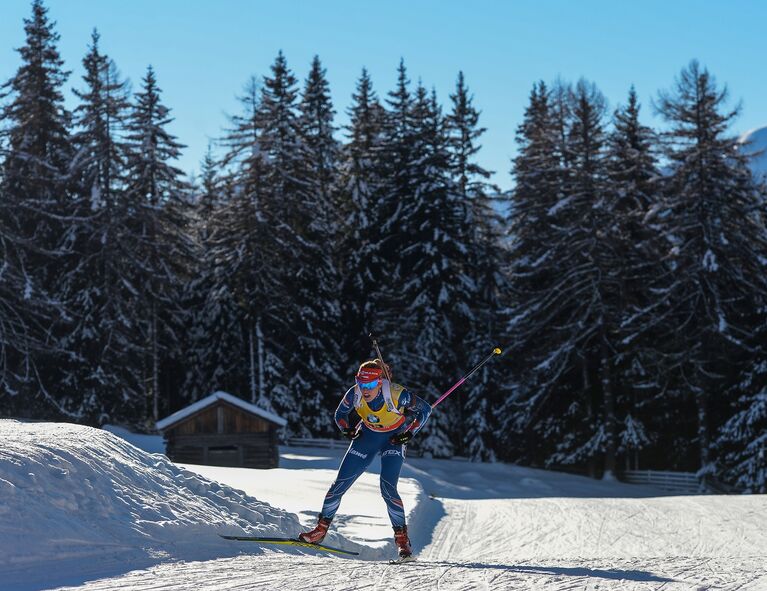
(390,417)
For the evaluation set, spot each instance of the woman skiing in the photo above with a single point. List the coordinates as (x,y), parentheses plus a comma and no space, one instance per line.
(390,417)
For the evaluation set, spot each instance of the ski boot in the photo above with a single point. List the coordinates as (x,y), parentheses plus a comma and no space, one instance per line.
(403,544)
(316,535)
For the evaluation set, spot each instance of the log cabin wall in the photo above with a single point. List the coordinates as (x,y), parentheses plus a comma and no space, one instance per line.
(222,418)
(224,435)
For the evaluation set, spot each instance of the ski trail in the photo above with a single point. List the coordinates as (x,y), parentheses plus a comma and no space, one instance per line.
(490,527)
(551,544)
(276,571)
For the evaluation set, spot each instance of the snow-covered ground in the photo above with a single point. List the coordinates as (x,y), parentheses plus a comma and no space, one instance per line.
(84,508)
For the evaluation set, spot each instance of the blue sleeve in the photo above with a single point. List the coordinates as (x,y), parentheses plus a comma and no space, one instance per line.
(416,409)
(345,408)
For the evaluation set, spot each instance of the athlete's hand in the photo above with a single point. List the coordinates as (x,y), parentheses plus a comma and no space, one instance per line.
(350,433)
(401,438)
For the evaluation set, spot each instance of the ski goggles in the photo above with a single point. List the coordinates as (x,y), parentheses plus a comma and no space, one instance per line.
(368,377)
(368,385)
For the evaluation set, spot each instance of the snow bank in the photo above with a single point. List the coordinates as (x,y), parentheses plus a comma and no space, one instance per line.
(72,497)
(153,444)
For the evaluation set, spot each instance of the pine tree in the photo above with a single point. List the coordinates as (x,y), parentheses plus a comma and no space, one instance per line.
(741,444)
(208,327)
(98,378)
(245,312)
(100,117)
(716,285)
(633,183)
(281,143)
(568,318)
(361,188)
(158,206)
(320,149)
(482,226)
(533,245)
(35,221)
(386,303)
(37,123)
(434,271)
(209,196)
(316,378)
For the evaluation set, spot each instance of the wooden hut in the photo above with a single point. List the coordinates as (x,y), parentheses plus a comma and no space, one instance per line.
(222,430)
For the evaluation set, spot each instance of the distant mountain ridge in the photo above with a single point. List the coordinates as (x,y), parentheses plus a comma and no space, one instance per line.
(755,142)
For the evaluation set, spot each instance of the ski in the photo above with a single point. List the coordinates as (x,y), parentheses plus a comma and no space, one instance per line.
(403,560)
(290,542)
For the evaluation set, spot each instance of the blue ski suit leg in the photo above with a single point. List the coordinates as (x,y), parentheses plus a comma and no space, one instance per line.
(392,458)
(358,457)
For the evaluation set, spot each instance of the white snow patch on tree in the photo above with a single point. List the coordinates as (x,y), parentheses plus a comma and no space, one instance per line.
(709,261)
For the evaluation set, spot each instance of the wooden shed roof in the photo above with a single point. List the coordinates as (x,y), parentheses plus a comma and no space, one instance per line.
(184,413)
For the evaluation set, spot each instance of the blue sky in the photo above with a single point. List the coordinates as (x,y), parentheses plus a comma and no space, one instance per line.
(204,51)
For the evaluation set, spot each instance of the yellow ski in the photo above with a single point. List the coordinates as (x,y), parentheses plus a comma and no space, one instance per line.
(290,542)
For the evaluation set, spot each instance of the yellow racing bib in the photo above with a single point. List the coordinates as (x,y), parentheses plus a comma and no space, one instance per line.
(388,417)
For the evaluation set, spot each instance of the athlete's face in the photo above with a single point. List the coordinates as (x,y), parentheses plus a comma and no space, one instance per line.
(369,393)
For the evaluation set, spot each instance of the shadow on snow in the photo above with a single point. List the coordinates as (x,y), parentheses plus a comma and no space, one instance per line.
(575,571)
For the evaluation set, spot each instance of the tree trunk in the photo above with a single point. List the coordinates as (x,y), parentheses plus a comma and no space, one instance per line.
(155,366)
(609,401)
(261,377)
(590,465)
(703,440)
(252,359)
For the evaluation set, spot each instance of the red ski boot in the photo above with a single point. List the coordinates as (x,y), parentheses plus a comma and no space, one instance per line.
(318,533)
(403,543)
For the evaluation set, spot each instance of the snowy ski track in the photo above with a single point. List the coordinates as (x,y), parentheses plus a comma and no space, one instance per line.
(276,572)
(467,552)
(533,540)
(83,510)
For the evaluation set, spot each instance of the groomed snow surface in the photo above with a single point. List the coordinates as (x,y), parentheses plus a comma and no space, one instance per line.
(85,509)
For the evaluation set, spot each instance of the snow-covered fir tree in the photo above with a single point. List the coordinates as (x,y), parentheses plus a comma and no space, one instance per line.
(100,118)
(533,245)
(319,146)
(435,288)
(281,206)
(160,250)
(98,377)
(317,361)
(377,181)
(37,225)
(716,249)
(243,309)
(200,379)
(634,188)
(741,445)
(568,313)
(487,285)
(397,192)
(361,191)
(590,276)
(209,195)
